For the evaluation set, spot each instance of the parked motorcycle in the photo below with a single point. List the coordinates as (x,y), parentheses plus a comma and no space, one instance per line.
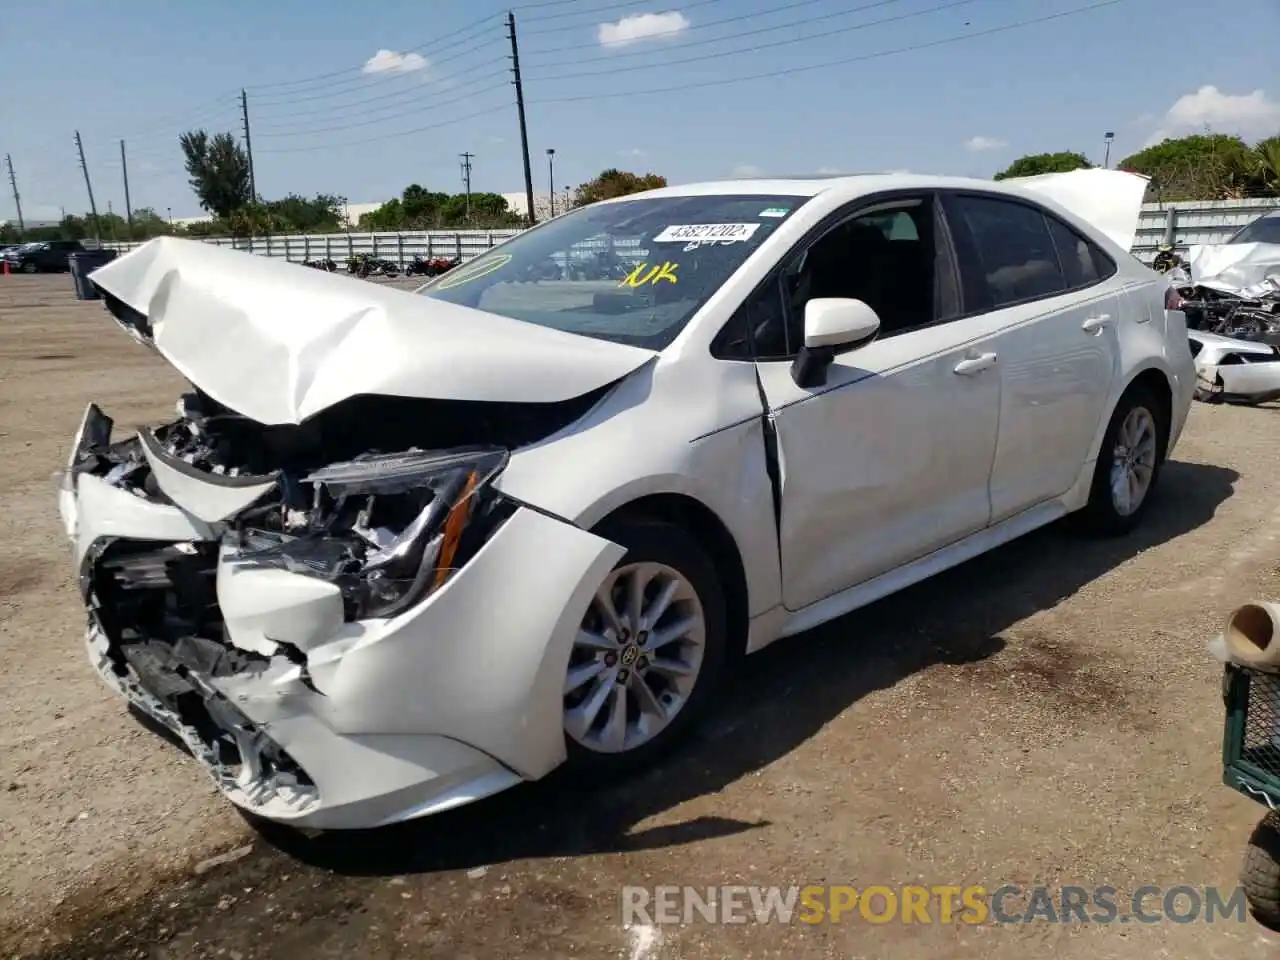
(433,267)
(327,265)
(364,265)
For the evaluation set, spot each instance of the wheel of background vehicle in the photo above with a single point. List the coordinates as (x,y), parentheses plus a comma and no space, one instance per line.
(29,267)
(1129,463)
(1260,875)
(649,655)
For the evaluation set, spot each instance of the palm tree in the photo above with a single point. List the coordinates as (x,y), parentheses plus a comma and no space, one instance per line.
(1269,160)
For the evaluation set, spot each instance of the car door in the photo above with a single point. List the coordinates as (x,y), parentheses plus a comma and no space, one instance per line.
(1053,315)
(889,459)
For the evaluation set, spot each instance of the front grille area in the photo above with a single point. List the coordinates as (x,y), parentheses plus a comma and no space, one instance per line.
(155,608)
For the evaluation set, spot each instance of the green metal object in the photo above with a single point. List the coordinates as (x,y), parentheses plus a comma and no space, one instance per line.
(1251,736)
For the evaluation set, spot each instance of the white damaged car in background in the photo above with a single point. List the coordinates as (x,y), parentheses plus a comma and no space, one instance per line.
(1230,293)
(398,551)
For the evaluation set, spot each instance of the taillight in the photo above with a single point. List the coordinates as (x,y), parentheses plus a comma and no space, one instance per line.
(1173,300)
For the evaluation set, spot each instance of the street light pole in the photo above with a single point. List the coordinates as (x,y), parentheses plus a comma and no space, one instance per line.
(551,175)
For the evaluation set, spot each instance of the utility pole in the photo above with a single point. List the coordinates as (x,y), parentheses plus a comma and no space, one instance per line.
(248,145)
(551,177)
(93,207)
(17,200)
(128,207)
(524,131)
(466,179)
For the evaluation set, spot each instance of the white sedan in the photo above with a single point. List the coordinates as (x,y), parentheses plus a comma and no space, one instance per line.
(399,551)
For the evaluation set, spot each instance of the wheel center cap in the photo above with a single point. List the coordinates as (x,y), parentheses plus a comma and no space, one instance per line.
(629,655)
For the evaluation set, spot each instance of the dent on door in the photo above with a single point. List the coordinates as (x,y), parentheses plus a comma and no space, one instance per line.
(887,462)
(1057,370)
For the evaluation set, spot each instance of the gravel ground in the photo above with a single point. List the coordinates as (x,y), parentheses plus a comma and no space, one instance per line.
(1044,714)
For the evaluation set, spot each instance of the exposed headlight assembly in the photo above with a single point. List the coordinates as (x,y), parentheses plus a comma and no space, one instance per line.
(387,529)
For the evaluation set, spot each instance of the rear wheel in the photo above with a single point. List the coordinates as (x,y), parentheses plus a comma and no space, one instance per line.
(1129,462)
(650,652)
(29,267)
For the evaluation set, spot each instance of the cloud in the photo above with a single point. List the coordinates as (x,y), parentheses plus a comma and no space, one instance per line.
(388,61)
(633,152)
(1250,115)
(747,170)
(641,26)
(979,144)
(829,171)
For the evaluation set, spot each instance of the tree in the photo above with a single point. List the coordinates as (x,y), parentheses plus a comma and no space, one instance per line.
(322,214)
(1211,166)
(219,171)
(616,183)
(1035,164)
(1269,159)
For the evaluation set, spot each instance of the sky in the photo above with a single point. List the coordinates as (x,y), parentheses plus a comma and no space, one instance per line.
(359,100)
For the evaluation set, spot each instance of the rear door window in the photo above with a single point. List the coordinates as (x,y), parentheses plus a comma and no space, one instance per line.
(1011,248)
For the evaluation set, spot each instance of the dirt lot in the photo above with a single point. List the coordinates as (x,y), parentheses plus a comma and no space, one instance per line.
(1046,714)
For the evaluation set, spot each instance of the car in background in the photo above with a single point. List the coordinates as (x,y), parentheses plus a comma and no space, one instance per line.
(43,256)
(399,551)
(1266,229)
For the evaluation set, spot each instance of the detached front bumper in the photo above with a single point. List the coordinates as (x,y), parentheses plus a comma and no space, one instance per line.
(304,717)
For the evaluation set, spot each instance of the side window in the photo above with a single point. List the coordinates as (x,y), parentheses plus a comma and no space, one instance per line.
(1083,263)
(1013,249)
(885,257)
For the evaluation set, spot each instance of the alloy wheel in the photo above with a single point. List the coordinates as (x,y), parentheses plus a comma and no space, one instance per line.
(1133,461)
(635,660)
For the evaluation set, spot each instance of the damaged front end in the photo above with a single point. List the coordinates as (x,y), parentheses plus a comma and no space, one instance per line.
(228,566)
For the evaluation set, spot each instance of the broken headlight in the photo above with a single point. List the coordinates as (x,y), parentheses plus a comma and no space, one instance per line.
(387,529)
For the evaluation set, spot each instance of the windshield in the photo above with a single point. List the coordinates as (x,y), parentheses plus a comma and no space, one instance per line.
(633,272)
(1265,229)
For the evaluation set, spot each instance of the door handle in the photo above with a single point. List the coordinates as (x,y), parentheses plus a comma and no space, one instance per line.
(971,365)
(1096,324)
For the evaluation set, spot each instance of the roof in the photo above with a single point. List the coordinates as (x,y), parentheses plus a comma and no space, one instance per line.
(813,185)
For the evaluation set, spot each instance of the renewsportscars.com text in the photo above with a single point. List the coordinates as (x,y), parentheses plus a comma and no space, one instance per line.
(942,904)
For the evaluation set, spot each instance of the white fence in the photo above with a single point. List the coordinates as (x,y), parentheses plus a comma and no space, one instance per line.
(1203,222)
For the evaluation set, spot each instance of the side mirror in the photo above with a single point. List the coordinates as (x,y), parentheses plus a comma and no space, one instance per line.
(831,325)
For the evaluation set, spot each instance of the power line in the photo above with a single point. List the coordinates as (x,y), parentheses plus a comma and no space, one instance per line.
(393,136)
(807,67)
(398,95)
(940,8)
(327,91)
(681,30)
(487,18)
(788,71)
(610,8)
(426,108)
(305,130)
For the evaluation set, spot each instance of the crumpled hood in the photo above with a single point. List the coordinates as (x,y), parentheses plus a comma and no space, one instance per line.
(277,342)
(1234,267)
(1110,200)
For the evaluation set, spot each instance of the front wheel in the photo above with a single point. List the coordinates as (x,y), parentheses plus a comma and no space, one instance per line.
(1129,462)
(649,654)
(29,267)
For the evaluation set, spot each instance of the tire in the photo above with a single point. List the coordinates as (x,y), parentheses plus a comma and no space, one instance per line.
(29,267)
(1101,515)
(650,542)
(1260,874)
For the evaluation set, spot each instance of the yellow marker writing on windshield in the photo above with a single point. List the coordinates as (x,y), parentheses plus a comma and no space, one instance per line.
(639,277)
